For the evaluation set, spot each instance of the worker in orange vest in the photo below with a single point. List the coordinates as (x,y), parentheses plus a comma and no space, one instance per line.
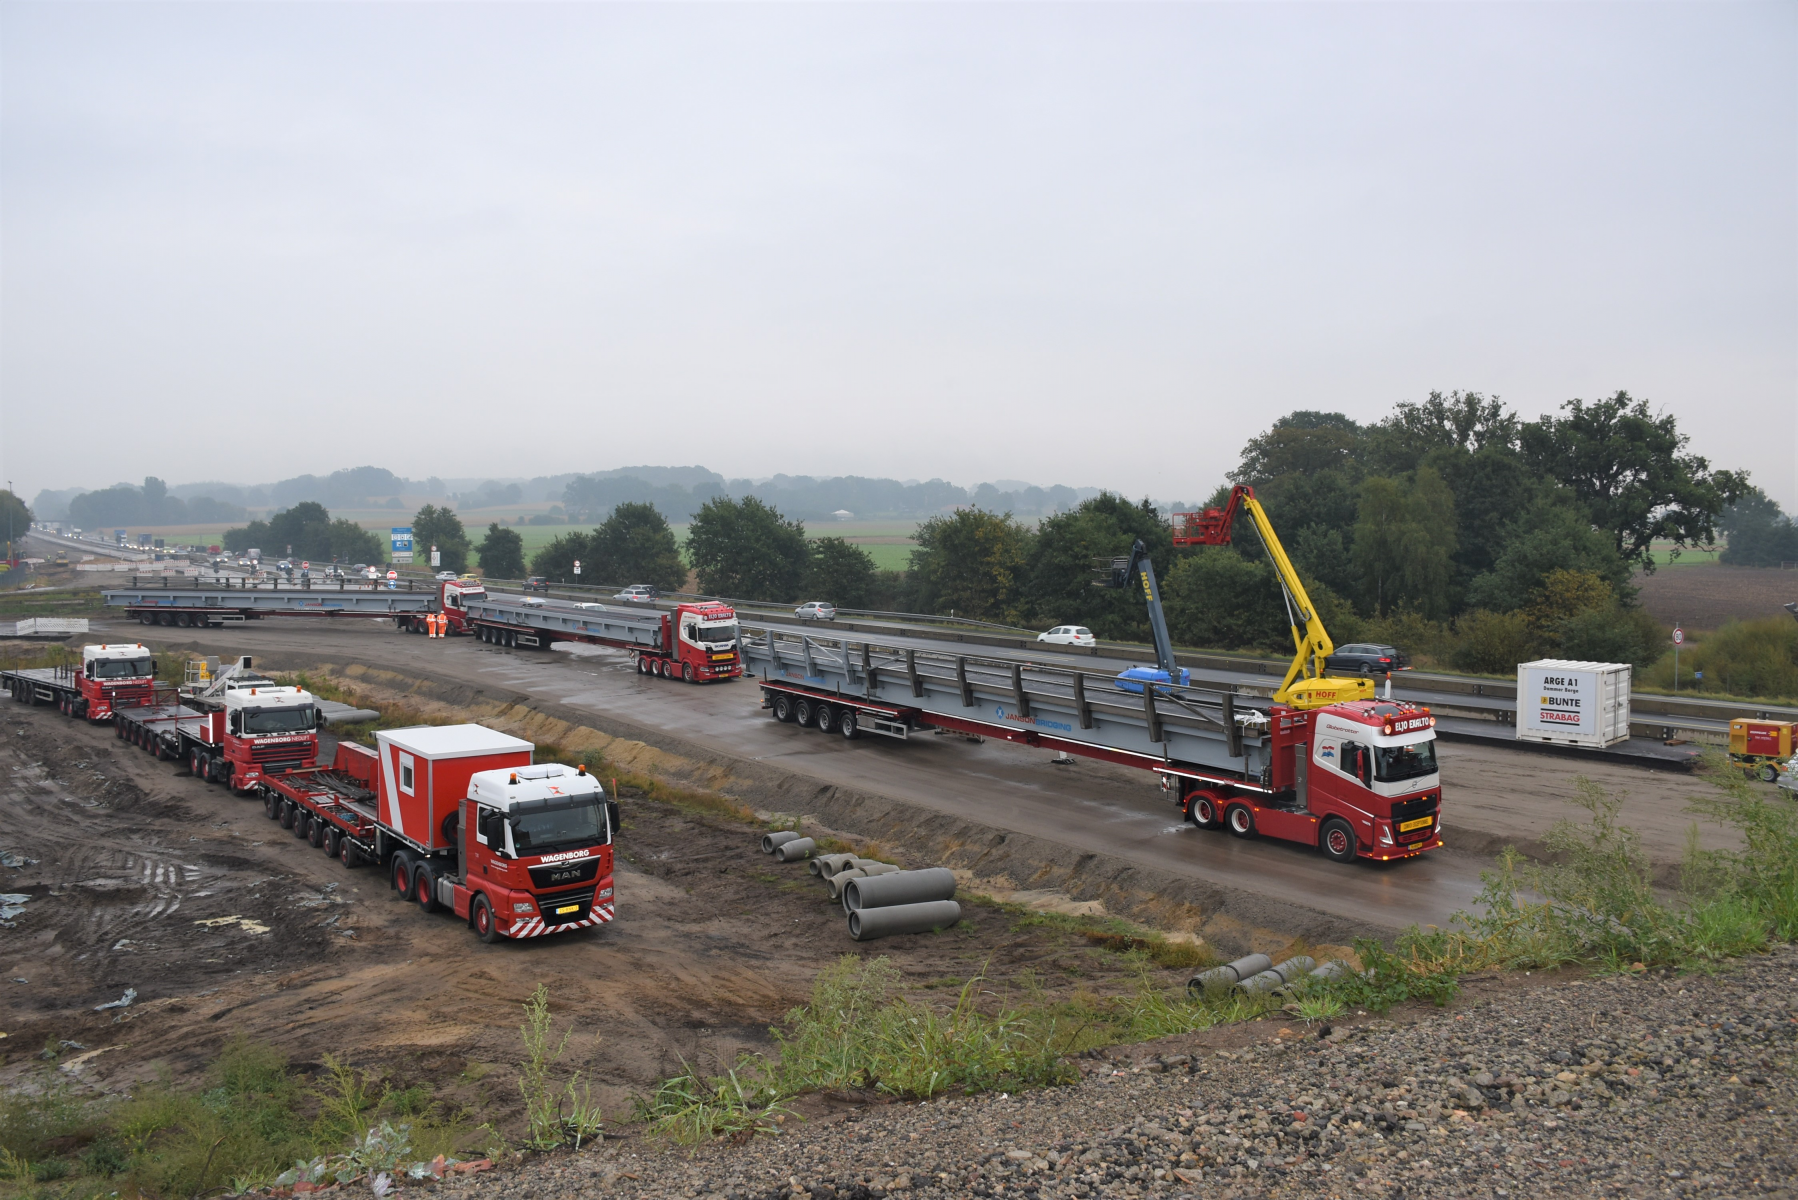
(430,624)
(440,621)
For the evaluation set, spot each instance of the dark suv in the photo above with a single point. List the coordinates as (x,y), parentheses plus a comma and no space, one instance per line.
(536,583)
(1367,660)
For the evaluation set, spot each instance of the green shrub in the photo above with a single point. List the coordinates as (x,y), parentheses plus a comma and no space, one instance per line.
(1744,658)
(1490,643)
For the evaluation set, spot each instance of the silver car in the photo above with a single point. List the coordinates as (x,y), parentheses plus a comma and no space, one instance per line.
(816,610)
(640,593)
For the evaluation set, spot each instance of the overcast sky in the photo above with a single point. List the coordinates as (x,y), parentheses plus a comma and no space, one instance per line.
(1086,244)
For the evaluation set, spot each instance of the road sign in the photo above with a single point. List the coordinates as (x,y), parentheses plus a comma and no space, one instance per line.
(577,566)
(401,538)
(436,558)
(1679,636)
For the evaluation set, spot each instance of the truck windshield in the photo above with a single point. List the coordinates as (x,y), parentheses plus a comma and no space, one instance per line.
(717,633)
(121,668)
(1393,763)
(579,825)
(277,720)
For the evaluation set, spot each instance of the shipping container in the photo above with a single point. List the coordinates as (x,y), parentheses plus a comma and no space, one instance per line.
(425,772)
(1572,703)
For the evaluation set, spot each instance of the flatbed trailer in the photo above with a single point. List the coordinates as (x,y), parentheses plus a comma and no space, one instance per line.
(225,604)
(110,677)
(238,736)
(1349,778)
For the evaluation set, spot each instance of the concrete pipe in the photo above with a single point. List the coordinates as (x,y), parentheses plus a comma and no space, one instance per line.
(826,865)
(866,924)
(1230,974)
(773,841)
(901,887)
(1334,969)
(836,883)
(794,850)
(868,866)
(1278,977)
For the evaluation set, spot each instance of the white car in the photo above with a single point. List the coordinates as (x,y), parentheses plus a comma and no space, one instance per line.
(640,593)
(816,610)
(1069,635)
(446,575)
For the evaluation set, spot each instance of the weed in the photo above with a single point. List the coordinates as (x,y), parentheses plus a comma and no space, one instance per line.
(542,1103)
(344,1100)
(739,1103)
(1159,950)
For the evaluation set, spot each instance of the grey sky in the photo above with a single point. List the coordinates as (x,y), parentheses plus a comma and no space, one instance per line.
(1098,244)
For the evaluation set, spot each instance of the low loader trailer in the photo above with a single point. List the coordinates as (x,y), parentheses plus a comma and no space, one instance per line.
(235,729)
(112,676)
(223,604)
(694,642)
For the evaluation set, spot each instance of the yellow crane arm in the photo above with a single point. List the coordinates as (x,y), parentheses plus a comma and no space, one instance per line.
(1305,685)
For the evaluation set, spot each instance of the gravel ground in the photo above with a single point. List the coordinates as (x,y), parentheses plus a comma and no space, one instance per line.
(1662,1086)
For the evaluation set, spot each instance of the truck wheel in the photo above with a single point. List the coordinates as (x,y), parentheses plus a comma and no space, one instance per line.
(315,833)
(333,842)
(686,672)
(424,887)
(783,707)
(1202,811)
(1240,820)
(302,825)
(849,724)
(1337,840)
(348,855)
(400,874)
(287,813)
(480,916)
(1769,773)
(826,718)
(802,711)
(642,665)
(271,806)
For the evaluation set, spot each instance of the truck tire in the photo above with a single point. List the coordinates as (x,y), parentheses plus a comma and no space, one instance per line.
(480,919)
(399,873)
(288,809)
(849,724)
(315,833)
(826,718)
(348,854)
(424,887)
(1769,773)
(1337,839)
(803,711)
(783,707)
(303,822)
(1201,810)
(333,842)
(271,806)
(686,672)
(642,665)
(1240,820)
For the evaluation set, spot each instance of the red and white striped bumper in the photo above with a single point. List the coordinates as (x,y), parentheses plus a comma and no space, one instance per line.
(534,926)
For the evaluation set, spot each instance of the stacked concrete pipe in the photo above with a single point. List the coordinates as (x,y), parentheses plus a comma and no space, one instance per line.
(773,841)
(900,887)
(862,868)
(794,850)
(866,924)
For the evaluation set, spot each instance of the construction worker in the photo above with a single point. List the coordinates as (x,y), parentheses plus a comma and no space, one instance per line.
(430,624)
(437,623)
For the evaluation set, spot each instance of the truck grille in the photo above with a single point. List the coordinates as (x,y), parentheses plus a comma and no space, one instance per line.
(286,757)
(1413,810)
(578,903)
(562,874)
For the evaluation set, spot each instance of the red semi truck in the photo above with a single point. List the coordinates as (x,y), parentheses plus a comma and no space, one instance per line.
(111,676)
(462,822)
(696,642)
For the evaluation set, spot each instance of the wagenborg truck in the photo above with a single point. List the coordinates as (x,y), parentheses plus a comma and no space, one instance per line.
(110,676)
(456,815)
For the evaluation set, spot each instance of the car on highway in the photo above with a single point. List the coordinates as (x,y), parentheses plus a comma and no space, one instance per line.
(371,572)
(536,583)
(445,576)
(1369,659)
(816,610)
(640,593)
(1069,635)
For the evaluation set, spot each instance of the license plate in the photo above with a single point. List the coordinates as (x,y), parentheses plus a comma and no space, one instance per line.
(1419,823)
(568,908)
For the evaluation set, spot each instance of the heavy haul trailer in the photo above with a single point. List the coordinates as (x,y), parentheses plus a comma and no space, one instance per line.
(1357,779)
(110,677)
(230,606)
(694,642)
(462,822)
(237,729)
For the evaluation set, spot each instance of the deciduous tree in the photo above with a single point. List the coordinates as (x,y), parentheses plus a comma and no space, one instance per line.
(635,545)
(502,553)
(971,564)
(746,549)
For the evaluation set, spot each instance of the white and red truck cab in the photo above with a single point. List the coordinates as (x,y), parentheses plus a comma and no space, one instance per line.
(113,676)
(237,730)
(1358,779)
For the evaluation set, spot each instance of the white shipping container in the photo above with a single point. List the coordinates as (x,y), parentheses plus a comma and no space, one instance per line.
(1573,703)
(50,626)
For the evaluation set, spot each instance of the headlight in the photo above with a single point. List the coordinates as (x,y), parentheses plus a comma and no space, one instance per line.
(603,894)
(1385,835)
(523,906)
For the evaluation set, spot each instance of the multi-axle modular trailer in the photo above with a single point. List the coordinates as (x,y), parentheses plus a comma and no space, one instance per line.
(223,605)
(1358,778)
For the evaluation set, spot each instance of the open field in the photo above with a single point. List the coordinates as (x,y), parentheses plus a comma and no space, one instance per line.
(1705,595)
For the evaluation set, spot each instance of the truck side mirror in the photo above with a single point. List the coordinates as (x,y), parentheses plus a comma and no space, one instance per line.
(612,819)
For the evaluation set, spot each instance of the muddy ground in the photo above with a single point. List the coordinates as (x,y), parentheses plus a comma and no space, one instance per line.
(145,878)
